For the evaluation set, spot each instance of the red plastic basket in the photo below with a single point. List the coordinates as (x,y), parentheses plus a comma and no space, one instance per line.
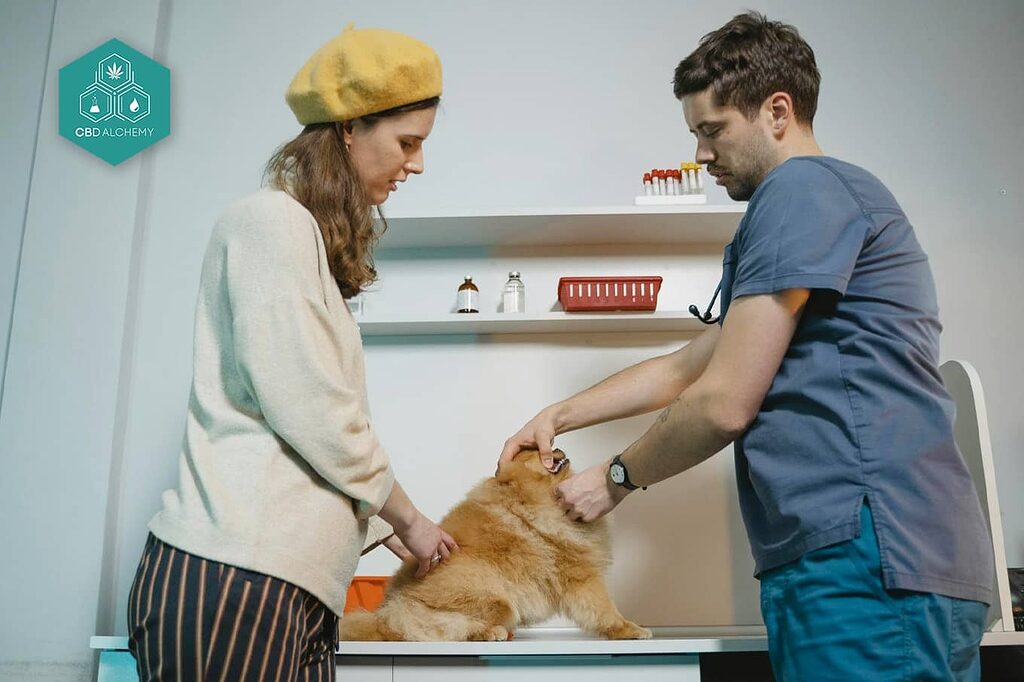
(366,592)
(577,294)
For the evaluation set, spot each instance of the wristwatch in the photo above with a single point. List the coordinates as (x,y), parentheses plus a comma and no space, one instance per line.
(617,472)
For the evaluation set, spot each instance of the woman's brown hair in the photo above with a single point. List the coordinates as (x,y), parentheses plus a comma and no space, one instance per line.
(316,169)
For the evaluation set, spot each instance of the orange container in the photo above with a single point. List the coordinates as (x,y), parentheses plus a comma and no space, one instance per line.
(577,294)
(366,592)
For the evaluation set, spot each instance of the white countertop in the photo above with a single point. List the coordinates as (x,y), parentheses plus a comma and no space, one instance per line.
(573,642)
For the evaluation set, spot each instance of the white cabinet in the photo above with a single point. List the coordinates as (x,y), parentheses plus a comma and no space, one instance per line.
(559,655)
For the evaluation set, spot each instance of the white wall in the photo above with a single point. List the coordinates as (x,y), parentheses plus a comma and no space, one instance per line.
(59,425)
(544,104)
(24,40)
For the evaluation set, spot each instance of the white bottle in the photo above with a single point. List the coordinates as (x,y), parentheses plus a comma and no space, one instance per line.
(513,298)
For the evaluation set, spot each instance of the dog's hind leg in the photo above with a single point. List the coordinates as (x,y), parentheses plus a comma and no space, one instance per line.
(494,633)
(496,618)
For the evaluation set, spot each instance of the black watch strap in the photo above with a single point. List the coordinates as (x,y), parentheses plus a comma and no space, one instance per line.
(625,482)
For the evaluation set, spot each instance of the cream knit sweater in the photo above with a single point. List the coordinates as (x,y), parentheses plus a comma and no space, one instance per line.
(280,468)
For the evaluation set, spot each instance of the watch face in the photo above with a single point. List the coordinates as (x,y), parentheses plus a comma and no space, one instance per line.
(617,472)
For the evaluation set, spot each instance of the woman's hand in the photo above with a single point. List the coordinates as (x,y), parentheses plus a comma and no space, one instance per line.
(393,543)
(426,542)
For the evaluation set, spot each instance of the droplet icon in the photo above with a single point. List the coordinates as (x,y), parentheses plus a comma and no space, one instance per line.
(134,106)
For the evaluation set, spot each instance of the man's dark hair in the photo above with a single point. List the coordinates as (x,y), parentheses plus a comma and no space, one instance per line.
(747,60)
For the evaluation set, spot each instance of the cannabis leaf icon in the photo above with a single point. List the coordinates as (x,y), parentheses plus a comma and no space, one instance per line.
(114,72)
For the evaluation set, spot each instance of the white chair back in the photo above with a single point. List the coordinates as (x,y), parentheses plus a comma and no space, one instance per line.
(972,438)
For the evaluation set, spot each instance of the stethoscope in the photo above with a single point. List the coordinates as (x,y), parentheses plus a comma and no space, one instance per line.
(706,316)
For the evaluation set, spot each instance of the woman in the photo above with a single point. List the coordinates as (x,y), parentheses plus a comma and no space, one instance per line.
(247,564)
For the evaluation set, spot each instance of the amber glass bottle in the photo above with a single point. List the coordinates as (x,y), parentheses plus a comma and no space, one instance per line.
(469,297)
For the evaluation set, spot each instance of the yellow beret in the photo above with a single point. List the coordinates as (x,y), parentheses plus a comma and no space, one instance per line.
(363,71)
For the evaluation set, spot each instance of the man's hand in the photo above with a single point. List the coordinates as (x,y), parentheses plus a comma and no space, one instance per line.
(589,495)
(538,433)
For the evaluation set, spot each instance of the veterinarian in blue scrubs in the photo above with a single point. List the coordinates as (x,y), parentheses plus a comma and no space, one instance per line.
(868,536)
(283,480)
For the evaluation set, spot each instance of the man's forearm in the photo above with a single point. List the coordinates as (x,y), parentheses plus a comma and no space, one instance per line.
(690,430)
(642,388)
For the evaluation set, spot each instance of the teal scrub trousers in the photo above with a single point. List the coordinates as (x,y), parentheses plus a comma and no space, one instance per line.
(829,618)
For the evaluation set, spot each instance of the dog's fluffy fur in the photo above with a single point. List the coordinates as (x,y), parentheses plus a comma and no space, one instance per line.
(521,560)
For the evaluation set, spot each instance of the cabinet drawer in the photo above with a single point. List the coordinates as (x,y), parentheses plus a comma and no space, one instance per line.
(649,668)
(364,668)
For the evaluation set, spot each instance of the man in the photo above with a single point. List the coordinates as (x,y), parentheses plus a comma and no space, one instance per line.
(868,537)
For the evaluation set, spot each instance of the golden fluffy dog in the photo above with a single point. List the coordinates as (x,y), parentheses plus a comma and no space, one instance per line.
(521,561)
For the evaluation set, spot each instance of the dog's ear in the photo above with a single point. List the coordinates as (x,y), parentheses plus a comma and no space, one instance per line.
(513,469)
(504,474)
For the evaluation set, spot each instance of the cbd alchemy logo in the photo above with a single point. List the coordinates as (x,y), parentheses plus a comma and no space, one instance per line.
(115,102)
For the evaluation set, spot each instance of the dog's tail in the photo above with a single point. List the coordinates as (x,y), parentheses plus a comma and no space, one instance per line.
(362,626)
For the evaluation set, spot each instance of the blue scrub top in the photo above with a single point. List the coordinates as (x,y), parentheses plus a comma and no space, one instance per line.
(858,408)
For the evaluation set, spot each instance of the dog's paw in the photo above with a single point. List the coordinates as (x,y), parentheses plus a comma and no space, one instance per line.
(495,633)
(627,630)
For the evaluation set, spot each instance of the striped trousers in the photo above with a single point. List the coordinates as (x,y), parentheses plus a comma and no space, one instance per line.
(192,620)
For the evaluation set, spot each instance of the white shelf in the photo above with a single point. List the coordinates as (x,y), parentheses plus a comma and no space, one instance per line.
(561,226)
(543,323)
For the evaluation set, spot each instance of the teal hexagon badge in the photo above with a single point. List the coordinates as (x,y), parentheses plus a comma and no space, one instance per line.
(115,102)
